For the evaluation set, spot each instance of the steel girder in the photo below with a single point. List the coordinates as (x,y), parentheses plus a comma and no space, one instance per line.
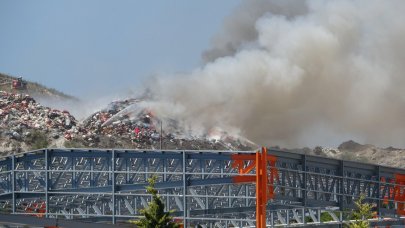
(198,185)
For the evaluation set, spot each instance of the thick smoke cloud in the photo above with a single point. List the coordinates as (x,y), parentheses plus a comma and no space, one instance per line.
(239,28)
(297,73)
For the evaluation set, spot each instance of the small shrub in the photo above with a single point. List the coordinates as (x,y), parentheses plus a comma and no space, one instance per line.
(74,143)
(361,214)
(38,140)
(154,214)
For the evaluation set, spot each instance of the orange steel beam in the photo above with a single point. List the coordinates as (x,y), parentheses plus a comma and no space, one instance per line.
(264,191)
(244,179)
(399,193)
(261,188)
(396,192)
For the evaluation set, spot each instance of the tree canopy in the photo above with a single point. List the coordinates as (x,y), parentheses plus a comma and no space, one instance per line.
(362,213)
(155,215)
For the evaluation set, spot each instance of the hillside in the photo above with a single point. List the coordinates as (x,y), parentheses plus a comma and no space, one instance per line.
(26,125)
(34,89)
(354,151)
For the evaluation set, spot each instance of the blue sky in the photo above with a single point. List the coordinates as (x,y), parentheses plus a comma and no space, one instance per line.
(87,47)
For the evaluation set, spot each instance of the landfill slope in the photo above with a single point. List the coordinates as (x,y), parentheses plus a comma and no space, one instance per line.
(26,125)
(34,89)
(123,124)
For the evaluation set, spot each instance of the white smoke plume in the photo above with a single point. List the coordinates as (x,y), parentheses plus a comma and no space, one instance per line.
(297,73)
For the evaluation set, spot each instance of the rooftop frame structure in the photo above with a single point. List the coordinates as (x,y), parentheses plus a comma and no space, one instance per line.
(208,188)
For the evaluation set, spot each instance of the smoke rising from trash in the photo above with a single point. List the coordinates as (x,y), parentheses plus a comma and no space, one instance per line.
(298,73)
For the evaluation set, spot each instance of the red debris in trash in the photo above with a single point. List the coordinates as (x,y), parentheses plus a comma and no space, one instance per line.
(117,125)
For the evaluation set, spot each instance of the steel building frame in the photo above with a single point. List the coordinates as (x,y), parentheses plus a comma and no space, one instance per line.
(202,187)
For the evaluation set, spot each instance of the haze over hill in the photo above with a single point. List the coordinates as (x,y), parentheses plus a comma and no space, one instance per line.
(130,123)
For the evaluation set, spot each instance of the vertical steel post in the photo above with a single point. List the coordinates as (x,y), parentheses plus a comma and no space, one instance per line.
(13,182)
(46,183)
(378,191)
(164,161)
(304,180)
(135,205)
(25,176)
(303,215)
(271,218)
(229,196)
(73,172)
(202,165)
(258,192)
(184,191)
(92,181)
(246,195)
(113,185)
(128,169)
(341,189)
(265,186)
(261,188)
(146,164)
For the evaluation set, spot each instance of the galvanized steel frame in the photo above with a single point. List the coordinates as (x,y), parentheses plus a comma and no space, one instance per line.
(97,184)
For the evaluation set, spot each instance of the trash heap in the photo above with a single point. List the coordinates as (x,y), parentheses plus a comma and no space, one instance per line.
(21,116)
(27,125)
(127,124)
(115,125)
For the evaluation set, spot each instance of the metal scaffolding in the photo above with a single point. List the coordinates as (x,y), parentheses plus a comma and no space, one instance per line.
(209,188)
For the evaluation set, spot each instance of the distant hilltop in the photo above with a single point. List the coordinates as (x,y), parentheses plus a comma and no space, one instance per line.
(31,88)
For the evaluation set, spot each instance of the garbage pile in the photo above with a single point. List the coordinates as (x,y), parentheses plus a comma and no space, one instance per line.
(127,124)
(21,115)
(115,123)
(24,123)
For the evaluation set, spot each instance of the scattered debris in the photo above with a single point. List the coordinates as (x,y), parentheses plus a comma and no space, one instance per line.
(116,126)
(20,115)
(27,125)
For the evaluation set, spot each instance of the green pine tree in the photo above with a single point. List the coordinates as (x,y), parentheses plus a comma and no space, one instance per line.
(361,214)
(154,215)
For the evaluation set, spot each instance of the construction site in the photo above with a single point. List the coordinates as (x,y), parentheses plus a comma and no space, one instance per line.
(214,180)
(265,188)
(202,114)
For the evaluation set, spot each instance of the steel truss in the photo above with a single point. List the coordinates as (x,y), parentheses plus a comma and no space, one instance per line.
(202,187)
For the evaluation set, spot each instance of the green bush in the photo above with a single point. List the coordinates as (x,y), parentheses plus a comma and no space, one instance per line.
(325,217)
(38,140)
(74,143)
(362,212)
(154,214)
